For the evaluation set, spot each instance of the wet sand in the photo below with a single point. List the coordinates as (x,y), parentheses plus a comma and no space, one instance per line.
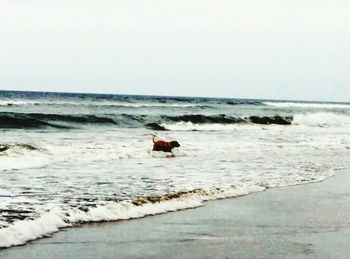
(305,221)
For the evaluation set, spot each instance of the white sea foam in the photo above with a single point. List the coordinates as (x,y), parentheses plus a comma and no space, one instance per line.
(18,157)
(189,126)
(16,102)
(308,105)
(50,222)
(23,231)
(321,119)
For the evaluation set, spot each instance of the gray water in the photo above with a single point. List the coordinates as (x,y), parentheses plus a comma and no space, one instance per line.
(70,158)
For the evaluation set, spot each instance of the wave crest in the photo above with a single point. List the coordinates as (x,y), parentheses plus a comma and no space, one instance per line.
(163,122)
(23,231)
(223,119)
(41,120)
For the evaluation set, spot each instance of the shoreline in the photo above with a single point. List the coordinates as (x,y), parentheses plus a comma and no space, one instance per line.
(199,203)
(309,220)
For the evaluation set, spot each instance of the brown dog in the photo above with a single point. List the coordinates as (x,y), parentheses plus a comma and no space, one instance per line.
(165,146)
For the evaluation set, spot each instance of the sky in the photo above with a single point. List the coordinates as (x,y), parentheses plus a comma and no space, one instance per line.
(271,49)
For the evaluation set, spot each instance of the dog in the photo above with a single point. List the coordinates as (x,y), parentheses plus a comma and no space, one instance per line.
(165,146)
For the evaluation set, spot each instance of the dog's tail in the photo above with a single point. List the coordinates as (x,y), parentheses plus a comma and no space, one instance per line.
(153,139)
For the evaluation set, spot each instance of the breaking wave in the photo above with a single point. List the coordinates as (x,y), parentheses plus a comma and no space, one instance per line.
(41,120)
(223,119)
(27,229)
(214,123)
(165,122)
(217,123)
(19,156)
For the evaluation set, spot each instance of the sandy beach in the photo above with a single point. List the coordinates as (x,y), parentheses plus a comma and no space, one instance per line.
(305,221)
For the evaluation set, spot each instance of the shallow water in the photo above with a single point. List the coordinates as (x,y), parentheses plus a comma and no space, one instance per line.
(74,158)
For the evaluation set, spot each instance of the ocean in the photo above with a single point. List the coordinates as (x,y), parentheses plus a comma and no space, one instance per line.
(67,158)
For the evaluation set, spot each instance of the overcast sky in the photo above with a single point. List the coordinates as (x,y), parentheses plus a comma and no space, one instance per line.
(276,49)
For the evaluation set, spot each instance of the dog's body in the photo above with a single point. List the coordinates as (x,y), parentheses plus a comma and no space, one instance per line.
(165,146)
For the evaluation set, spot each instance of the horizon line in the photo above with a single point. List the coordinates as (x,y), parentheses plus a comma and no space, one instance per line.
(175,96)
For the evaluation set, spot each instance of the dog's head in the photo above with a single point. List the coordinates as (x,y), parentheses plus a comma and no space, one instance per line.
(174,144)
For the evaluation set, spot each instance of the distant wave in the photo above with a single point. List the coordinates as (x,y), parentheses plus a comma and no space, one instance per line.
(94,103)
(24,122)
(244,102)
(212,123)
(41,120)
(308,105)
(223,119)
(143,105)
(215,123)
(163,122)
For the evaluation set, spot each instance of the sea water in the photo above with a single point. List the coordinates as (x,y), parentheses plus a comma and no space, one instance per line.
(67,158)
